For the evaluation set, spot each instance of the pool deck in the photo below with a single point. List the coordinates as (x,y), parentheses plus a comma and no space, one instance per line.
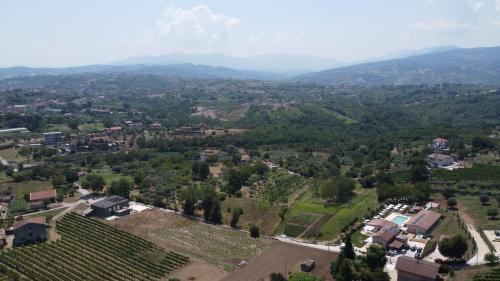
(393,215)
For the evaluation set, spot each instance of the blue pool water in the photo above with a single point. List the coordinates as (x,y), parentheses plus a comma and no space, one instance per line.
(399,220)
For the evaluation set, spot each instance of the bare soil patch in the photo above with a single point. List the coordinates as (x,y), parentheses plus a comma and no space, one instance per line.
(198,271)
(282,255)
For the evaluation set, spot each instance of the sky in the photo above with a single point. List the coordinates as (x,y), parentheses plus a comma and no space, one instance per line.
(56,33)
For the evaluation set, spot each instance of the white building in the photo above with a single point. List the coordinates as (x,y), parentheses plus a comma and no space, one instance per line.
(52,138)
(437,160)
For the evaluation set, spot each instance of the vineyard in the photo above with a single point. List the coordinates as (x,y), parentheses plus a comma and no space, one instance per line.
(280,190)
(492,275)
(315,229)
(96,251)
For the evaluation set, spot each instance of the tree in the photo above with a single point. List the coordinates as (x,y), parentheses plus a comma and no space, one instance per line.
(121,187)
(206,204)
(216,213)
(448,192)
(277,277)
(335,265)
(419,173)
(57,181)
(254,231)
(492,213)
(93,182)
(260,168)
(346,272)
(189,195)
(451,202)
(454,247)
(348,249)
(235,181)
(235,217)
(200,170)
(498,200)
(375,256)
(71,175)
(484,199)
(341,188)
(73,123)
(491,258)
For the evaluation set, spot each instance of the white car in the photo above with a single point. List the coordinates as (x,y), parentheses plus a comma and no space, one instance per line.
(242,263)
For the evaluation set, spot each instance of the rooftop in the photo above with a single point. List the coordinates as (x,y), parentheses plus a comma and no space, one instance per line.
(424,219)
(41,195)
(417,267)
(109,201)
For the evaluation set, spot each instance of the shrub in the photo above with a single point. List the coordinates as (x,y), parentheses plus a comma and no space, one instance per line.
(254,231)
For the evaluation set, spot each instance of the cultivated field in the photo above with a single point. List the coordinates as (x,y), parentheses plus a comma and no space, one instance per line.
(285,258)
(477,211)
(96,251)
(211,244)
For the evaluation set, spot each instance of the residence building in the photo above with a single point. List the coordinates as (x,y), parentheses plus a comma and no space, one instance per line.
(28,231)
(411,269)
(110,206)
(436,160)
(440,143)
(40,196)
(385,235)
(423,222)
(51,138)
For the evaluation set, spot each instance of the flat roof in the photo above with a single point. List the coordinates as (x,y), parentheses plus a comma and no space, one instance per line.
(109,201)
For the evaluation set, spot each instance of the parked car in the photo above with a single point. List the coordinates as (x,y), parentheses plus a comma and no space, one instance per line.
(413,249)
(392,253)
(497,232)
(418,255)
(406,247)
(419,250)
(242,263)
(403,251)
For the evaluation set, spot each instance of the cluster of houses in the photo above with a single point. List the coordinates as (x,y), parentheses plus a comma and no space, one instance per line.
(394,231)
(438,159)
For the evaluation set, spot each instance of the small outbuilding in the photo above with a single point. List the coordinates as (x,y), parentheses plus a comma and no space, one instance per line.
(307,265)
(411,269)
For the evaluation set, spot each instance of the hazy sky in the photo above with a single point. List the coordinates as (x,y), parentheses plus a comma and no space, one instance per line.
(71,32)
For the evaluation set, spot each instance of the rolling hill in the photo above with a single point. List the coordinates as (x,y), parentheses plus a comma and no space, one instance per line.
(465,66)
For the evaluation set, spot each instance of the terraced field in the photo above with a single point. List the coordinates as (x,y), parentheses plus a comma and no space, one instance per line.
(96,251)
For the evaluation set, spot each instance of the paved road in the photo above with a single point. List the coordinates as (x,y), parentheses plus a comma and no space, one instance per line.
(482,247)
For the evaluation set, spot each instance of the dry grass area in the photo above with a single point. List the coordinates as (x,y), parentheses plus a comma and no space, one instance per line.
(208,243)
(11,154)
(198,271)
(216,170)
(285,258)
(265,216)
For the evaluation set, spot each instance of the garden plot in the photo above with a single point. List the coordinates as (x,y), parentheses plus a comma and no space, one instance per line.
(297,224)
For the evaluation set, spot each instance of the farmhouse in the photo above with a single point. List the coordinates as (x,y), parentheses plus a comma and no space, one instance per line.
(411,269)
(29,231)
(385,235)
(437,160)
(440,143)
(423,222)
(109,206)
(40,196)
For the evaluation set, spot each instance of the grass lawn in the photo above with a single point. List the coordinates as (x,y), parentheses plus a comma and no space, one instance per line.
(358,239)
(343,214)
(449,226)
(107,174)
(476,173)
(11,154)
(49,214)
(3,177)
(478,211)
(92,127)
(265,216)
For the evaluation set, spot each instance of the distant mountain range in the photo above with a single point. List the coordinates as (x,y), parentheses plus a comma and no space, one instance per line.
(185,70)
(279,63)
(428,66)
(466,66)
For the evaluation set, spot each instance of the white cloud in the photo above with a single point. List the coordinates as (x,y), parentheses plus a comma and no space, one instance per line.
(440,25)
(496,24)
(477,6)
(197,28)
(497,4)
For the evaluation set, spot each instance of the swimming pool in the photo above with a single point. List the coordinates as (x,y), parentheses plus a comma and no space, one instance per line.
(400,220)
